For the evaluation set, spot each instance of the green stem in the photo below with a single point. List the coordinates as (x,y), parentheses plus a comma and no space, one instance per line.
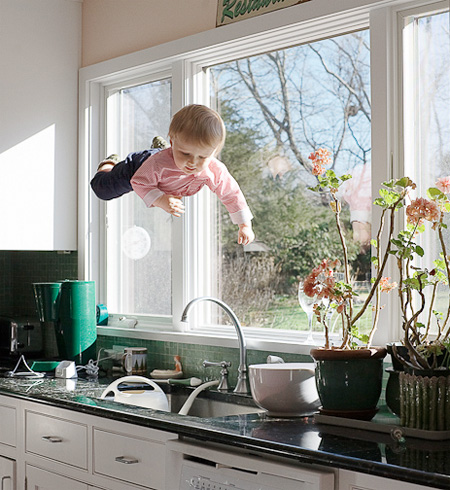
(445,328)
(380,268)
(337,213)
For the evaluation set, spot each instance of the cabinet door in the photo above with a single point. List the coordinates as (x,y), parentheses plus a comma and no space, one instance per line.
(7,474)
(7,424)
(38,479)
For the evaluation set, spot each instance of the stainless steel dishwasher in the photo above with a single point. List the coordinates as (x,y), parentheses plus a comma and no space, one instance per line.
(196,466)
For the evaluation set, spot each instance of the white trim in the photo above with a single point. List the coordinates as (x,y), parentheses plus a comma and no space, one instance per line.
(293,345)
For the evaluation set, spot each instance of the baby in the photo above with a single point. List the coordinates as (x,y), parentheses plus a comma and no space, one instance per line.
(162,177)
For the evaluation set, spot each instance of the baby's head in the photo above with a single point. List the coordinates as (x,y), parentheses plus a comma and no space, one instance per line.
(200,125)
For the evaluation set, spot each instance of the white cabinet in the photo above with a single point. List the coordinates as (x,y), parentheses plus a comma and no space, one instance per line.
(39,479)
(48,448)
(39,63)
(351,480)
(8,428)
(139,460)
(56,438)
(7,474)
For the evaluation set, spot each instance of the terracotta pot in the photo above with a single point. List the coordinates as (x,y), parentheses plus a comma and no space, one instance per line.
(349,382)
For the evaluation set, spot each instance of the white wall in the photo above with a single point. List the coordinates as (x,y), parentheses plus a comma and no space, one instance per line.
(40,48)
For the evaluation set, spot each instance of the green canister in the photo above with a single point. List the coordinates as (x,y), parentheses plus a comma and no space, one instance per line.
(76,329)
(47,300)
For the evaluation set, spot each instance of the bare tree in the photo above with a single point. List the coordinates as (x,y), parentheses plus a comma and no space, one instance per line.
(306,96)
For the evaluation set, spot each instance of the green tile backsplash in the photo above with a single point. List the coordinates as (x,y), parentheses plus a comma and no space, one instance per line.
(160,356)
(18,270)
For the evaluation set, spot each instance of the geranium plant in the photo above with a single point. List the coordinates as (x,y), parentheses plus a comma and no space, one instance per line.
(339,295)
(419,308)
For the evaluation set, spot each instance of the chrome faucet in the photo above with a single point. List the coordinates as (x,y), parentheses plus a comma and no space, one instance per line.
(242,383)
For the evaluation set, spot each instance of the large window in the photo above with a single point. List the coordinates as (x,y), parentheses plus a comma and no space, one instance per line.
(377,98)
(278,108)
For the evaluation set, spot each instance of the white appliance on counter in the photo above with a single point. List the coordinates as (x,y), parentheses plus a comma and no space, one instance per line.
(196,466)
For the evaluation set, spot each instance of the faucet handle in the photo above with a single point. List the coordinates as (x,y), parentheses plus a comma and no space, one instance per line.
(224,365)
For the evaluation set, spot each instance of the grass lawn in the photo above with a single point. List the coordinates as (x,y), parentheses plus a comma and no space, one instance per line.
(285,314)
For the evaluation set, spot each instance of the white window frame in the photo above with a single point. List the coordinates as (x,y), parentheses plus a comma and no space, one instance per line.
(185,60)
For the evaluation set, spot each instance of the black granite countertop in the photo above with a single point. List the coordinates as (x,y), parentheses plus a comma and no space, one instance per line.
(303,439)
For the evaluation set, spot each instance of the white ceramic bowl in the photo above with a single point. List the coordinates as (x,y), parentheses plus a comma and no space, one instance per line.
(284,390)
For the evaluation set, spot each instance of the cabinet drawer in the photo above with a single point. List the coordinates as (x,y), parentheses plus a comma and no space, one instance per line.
(39,479)
(131,459)
(8,425)
(57,439)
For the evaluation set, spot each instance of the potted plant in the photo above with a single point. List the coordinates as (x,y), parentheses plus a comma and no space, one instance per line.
(424,295)
(349,375)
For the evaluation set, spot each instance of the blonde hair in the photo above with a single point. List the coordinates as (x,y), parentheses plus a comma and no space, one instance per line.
(200,124)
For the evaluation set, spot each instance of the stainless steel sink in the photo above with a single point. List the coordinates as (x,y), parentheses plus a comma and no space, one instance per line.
(208,404)
(206,407)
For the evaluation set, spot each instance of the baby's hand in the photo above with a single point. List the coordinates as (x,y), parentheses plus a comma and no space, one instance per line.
(170,204)
(245,235)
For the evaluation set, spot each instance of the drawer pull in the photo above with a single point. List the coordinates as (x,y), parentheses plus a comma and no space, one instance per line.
(52,439)
(125,460)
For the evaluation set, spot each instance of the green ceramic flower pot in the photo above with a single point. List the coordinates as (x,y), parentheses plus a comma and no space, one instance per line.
(349,382)
(393,391)
(425,401)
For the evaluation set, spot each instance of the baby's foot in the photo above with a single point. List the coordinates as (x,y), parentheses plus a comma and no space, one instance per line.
(159,142)
(111,159)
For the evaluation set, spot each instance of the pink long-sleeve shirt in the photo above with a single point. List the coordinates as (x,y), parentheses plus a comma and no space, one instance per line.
(159,175)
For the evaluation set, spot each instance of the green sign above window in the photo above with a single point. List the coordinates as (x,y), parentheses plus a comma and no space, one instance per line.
(229,11)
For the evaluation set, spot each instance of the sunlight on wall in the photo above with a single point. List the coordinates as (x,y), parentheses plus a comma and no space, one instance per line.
(28,176)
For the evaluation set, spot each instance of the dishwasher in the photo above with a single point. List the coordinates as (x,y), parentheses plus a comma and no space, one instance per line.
(196,466)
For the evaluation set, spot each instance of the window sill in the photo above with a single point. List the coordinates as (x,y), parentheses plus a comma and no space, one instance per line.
(225,338)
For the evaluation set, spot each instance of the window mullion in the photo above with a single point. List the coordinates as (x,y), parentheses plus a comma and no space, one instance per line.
(194,240)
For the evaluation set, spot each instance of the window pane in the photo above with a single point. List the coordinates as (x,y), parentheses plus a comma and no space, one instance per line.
(278,108)
(138,239)
(427,119)
(429,143)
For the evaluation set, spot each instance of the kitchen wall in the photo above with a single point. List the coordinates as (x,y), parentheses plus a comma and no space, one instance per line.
(39,59)
(113,28)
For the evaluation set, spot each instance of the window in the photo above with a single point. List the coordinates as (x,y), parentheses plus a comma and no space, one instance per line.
(138,242)
(278,108)
(426,103)
(283,90)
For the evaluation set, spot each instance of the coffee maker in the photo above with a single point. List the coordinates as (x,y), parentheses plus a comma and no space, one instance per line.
(67,312)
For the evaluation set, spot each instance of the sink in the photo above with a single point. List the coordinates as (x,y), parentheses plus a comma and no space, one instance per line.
(208,404)
(207,407)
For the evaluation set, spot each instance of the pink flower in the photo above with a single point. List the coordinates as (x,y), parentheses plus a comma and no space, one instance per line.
(421,209)
(386,286)
(320,282)
(317,169)
(443,184)
(319,159)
